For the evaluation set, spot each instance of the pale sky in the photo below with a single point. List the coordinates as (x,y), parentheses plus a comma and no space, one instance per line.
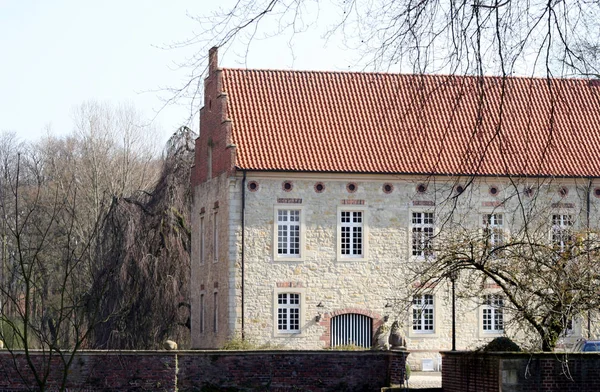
(56,54)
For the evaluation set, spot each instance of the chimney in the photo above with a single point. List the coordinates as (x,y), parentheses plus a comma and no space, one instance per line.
(213,59)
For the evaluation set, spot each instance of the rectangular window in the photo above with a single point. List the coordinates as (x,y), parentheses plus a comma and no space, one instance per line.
(215,239)
(201,313)
(215,313)
(351,226)
(569,329)
(493,230)
(422,308)
(202,243)
(288,233)
(493,313)
(422,233)
(288,313)
(561,232)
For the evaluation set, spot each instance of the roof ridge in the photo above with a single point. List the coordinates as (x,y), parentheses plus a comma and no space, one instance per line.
(433,75)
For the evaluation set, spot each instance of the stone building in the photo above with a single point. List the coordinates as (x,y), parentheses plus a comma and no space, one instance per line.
(315,193)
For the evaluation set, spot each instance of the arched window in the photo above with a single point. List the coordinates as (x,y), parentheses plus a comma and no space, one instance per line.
(351,328)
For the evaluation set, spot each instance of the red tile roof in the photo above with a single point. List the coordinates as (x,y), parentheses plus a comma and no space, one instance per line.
(389,123)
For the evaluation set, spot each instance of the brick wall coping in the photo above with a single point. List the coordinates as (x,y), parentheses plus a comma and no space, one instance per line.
(510,354)
(294,352)
(215,352)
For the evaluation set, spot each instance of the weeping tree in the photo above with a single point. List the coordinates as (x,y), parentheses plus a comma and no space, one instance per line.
(146,241)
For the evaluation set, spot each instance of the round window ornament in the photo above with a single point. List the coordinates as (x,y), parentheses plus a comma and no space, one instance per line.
(459,189)
(351,187)
(494,190)
(253,186)
(287,186)
(563,191)
(597,192)
(388,188)
(319,187)
(421,188)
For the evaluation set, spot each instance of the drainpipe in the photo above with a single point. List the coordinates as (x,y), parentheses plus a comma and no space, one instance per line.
(243,247)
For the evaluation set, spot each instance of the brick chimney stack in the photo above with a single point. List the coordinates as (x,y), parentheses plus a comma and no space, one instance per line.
(213,59)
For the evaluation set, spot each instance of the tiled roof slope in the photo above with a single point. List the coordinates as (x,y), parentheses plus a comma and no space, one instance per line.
(390,123)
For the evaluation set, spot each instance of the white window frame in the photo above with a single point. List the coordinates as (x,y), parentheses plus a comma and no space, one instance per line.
(299,307)
(420,227)
(562,230)
(493,314)
(494,229)
(364,230)
(286,256)
(569,330)
(423,317)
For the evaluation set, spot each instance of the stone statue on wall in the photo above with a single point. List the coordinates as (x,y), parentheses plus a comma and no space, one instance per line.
(381,338)
(396,340)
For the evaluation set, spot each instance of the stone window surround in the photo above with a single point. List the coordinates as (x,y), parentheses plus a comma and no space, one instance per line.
(365,232)
(288,290)
(302,255)
(215,311)
(498,228)
(202,321)
(495,332)
(436,317)
(202,239)
(564,225)
(215,235)
(410,231)
(575,330)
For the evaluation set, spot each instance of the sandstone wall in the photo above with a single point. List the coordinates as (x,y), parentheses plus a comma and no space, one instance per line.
(377,284)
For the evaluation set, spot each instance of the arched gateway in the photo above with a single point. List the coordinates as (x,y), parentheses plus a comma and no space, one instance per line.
(351,328)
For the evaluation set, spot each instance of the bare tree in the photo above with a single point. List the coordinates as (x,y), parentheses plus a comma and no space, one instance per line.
(481,37)
(541,265)
(56,198)
(46,302)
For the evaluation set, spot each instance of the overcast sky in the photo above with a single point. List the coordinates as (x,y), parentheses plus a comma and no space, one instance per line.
(56,54)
